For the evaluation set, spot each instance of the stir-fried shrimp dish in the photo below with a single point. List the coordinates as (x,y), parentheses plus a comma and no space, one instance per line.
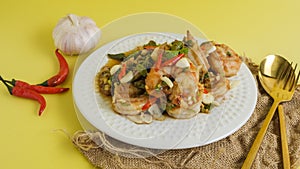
(178,79)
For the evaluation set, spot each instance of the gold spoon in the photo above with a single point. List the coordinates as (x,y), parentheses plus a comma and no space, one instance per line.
(277,77)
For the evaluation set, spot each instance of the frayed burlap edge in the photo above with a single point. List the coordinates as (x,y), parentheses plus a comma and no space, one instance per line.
(229,152)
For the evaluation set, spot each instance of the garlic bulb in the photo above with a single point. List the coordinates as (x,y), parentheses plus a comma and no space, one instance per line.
(75,35)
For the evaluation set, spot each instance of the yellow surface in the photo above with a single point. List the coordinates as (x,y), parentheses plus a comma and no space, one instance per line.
(255,27)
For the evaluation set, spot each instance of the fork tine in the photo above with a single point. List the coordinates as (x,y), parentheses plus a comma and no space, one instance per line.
(288,78)
(292,81)
(281,77)
(295,67)
(297,78)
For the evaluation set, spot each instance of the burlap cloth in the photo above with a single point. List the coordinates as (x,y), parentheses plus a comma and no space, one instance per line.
(227,153)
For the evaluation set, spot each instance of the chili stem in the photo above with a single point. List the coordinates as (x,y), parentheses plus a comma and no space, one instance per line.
(9,88)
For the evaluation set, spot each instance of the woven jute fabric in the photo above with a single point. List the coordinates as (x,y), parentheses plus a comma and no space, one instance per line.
(227,153)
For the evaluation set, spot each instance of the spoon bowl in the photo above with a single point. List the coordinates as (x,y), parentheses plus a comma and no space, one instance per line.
(271,65)
(269,71)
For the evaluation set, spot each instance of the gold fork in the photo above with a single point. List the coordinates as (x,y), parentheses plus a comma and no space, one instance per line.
(284,141)
(283,90)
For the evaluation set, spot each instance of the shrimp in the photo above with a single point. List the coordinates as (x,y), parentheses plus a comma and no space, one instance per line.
(231,60)
(224,63)
(221,54)
(157,89)
(182,92)
(124,104)
(185,96)
(218,85)
(213,58)
(153,81)
(196,54)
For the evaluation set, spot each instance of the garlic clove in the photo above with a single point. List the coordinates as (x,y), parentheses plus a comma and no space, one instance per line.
(127,77)
(183,63)
(155,53)
(114,69)
(74,35)
(167,81)
(212,49)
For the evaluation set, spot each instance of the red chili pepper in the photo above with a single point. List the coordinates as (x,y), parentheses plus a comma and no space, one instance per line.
(173,60)
(149,103)
(205,91)
(123,71)
(62,74)
(158,62)
(37,88)
(26,93)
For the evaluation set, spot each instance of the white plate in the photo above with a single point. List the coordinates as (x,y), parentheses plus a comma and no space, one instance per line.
(169,134)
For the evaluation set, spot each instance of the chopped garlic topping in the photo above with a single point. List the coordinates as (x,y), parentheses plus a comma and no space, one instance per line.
(114,69)
(127,77)
(183,63)
(212,49)
(167,81)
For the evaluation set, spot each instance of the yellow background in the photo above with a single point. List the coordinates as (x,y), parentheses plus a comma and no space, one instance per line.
(256,28)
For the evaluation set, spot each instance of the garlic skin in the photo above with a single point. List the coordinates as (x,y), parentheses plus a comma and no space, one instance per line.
(75,35)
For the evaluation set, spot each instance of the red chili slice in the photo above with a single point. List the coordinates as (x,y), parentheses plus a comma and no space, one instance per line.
(173,60)
(149,103)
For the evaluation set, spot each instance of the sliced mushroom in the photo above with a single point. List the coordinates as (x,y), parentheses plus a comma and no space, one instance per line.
(147,118)
(136,119)
(142,118)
